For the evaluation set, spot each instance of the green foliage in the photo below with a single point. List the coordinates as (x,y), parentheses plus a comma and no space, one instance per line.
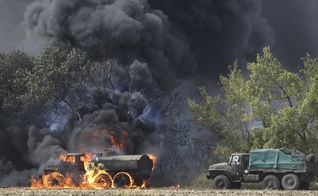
(201,182)
(56,72)
(13,65)
(271,108)
(226,116)
(31,86)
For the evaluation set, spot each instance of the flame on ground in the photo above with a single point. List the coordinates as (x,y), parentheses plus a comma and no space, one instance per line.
(94,177)
(175,187)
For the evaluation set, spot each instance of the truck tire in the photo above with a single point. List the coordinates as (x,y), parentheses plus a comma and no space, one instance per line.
(221,182)
(103,180)
(290,182)
(304,185)
(271,182)
(123,179)
(54,179)
(310,158)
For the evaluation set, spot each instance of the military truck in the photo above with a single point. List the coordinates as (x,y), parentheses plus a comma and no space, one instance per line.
(106,169)
(124,168)
(275,168)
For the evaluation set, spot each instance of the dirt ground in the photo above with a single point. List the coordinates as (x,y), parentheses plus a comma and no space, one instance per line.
(150,192)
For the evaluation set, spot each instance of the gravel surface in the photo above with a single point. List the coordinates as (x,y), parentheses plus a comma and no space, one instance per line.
(150,192)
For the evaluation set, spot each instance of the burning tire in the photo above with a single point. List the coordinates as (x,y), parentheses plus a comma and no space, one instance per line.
(138,182)
(53,179)
(123,179)
(103,180)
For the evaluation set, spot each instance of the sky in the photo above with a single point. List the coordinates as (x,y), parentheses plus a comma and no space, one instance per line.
(294,23)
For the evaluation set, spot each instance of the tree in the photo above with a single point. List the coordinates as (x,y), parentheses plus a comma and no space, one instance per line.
(12,65)
(226,117)
(270,108)
(53,81)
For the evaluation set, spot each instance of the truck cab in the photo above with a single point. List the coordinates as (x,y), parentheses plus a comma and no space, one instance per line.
(233,168)
(72,162)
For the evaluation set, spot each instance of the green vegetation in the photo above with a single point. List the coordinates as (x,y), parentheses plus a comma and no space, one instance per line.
(201,182)
(269,107)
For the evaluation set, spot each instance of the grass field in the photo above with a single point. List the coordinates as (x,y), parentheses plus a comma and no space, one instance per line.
(200,186)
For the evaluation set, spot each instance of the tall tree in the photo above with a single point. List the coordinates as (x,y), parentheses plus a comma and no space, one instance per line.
(270,107)
(12,65)
(53,81)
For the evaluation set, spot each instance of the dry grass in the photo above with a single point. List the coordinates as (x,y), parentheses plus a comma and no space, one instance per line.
(200,186)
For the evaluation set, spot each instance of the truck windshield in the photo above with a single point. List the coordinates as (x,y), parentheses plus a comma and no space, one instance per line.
(234,158)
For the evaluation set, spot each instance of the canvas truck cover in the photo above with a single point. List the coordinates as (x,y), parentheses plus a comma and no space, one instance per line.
(274,159)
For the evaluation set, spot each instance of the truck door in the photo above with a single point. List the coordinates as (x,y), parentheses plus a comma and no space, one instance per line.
(235,165)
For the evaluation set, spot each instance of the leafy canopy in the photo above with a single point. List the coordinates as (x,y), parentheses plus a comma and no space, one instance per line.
(270,108)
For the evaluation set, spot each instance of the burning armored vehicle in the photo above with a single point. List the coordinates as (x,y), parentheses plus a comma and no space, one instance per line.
(106,169)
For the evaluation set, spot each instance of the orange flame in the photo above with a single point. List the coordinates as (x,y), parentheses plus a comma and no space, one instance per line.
(154,160)
(176,187)
(94,177)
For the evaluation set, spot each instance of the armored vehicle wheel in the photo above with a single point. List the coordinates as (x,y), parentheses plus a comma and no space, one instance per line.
(271,182)
(103,180)
(236,185)
(221,182)
(290,182)
(53,179)
(138,182)
(123,179)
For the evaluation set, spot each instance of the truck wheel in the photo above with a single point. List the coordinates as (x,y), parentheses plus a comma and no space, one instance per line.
(54,179)
(123,179)
(304,185)
(290,182)
(221,182)
(103,180)
(270,182)
(138,182)
(236,185)
(310,158)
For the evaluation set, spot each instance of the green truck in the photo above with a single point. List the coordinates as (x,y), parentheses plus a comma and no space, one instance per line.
(281,168)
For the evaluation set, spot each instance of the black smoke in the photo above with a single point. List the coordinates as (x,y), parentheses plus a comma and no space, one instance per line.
(150,47)
(295,25)
(219,31)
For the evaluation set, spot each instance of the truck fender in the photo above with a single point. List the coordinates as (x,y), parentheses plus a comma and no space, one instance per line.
(217,173)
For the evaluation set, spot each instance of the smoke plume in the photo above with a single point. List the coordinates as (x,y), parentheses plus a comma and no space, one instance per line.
(158,43)
(296,28)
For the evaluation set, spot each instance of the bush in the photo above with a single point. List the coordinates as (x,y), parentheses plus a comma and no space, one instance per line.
(201,182)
